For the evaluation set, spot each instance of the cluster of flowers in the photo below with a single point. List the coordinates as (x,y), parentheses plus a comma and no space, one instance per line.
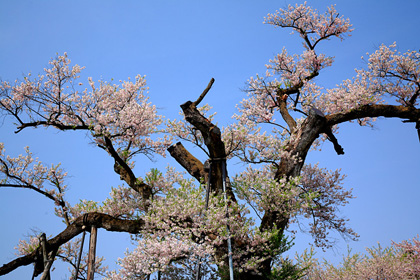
(307,21)
(399,261)
(119,112)
(25,171)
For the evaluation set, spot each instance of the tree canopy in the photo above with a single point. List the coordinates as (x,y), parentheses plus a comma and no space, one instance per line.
(178,220)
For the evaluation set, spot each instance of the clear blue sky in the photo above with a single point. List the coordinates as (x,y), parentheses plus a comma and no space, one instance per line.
(179,46)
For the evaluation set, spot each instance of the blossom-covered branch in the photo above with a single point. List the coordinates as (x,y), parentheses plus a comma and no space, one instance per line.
(311,26)
(27,172)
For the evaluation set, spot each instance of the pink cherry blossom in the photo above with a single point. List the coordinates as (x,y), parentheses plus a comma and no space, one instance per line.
(399,261)
(27,172)
(310,25)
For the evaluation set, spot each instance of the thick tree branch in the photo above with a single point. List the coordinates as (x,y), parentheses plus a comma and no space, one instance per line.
(281,100)
(100,220)
(193,165)
(212,139)
(372,111)
(120,167)
(409,113)
(291,166)
(337,147)
(328,131)
(316,124)
(125,172)
(210,132)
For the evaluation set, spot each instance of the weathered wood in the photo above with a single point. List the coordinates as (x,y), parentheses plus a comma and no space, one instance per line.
(202,95)
(193,165)
(92,253)
(212,139)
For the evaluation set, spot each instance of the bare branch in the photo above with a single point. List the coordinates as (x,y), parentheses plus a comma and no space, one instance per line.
(200,98)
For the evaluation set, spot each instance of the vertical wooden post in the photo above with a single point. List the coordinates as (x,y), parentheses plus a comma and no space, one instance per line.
(92,252)
(46,272)
(80,255)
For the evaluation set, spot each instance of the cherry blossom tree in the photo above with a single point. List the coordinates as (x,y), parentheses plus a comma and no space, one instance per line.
(399,261)
(181,222)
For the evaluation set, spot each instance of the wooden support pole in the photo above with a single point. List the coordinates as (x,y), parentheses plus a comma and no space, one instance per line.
(92,252)
(80,256)
(46,272)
